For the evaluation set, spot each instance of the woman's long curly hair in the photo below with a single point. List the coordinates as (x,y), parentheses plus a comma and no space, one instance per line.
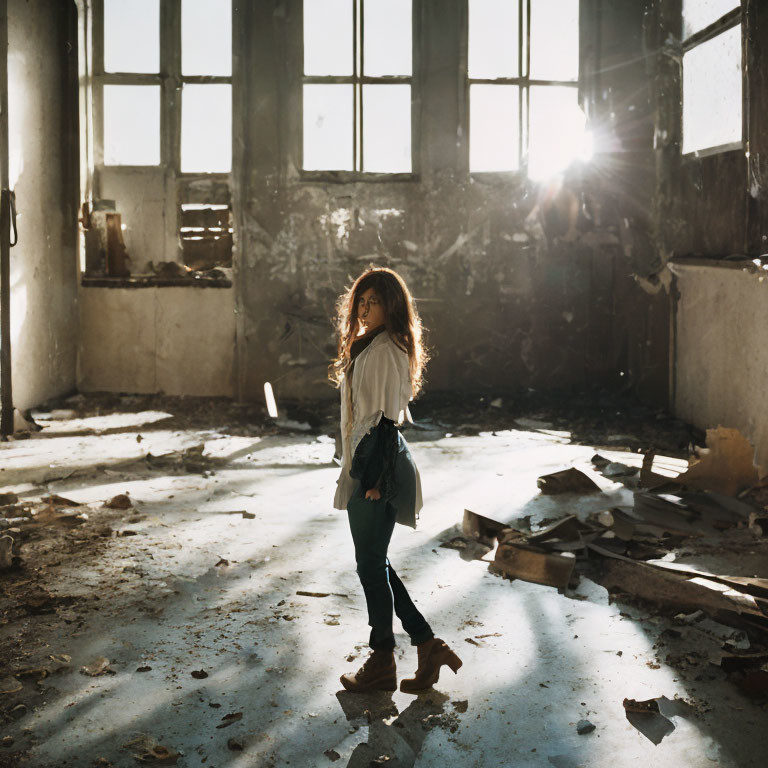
(402,322)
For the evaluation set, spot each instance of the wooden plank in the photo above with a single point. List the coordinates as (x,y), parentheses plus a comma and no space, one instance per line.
(519,561)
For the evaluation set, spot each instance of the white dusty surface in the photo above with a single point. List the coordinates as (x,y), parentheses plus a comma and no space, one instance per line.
(539,661)
(718,325)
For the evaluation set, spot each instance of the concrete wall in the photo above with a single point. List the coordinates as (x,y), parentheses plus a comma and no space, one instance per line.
(175,340)
(42,67)
(712,208)
(514,294)
(721,361)
(519,285)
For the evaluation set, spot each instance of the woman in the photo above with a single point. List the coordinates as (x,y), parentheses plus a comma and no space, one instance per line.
(379,369)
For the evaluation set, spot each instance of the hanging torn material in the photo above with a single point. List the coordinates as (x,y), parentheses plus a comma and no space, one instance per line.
(725,465)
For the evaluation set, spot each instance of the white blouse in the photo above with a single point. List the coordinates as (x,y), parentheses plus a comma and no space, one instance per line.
(381,386)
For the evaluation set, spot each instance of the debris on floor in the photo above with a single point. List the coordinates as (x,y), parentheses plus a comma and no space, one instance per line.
(480,528)
(567,481)
(643,707)
(200,610)
(651,550)
(6,552)
(584,726)
(517,559)
(121,501)
(146,750)
(97,667)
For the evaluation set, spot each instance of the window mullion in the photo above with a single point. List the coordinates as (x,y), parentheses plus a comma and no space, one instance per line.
(524,46)
(170,72)
(359,70)
(317,137)
(97,41)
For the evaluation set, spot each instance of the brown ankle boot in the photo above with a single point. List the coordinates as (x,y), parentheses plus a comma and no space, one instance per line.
(378,673)
(432,655)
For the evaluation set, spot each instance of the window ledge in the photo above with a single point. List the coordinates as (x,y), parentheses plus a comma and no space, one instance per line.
(354,177)
(152,281)
(737,262)
(722,149)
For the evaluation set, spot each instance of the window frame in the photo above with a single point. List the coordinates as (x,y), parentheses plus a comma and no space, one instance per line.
(524,82)
(171,82)
(725,23)
(358,80)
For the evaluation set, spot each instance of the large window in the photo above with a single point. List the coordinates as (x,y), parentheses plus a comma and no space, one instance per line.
(712,76)
(137,75)
(523,69)
(130,83)
(358,68)
(162,97)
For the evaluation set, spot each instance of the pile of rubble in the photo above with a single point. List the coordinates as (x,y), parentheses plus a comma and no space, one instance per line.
(711,510)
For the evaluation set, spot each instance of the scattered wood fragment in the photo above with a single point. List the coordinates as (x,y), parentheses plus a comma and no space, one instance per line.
(245,514)
(567,481)
(121,501)
(304,593)
(98,666)
(60,501)
(229,719)
(517,559)
(480,528)
(647,706)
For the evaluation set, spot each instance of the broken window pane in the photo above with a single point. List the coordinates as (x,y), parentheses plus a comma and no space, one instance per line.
(328,37)
(206,37)
(206,129)
(328,125)
(555,40)
(131,124)
(712,93)
(698,14)
(387,35)
(387,128)
(557,134)
(493,38)
(206,236)
(125,23)
(494,128)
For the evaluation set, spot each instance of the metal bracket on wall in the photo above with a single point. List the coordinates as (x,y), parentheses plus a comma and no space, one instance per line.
(12,200)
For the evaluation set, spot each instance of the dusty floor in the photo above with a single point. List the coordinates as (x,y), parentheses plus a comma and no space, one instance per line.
(200,575)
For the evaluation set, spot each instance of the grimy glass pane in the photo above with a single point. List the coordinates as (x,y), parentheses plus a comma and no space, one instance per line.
(555,39)
(712,82)
(387,32)
(206,37)
(328,128)
(698,14)
(206,129)
(387,128)
(557,134)
(131,124)
(493,128)
(132,35)
(493,38)
(328,37)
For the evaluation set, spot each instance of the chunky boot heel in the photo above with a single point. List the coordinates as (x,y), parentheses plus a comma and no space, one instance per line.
(432,655)
(453,661)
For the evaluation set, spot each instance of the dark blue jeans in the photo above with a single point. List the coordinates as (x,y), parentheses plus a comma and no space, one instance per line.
(372,523)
